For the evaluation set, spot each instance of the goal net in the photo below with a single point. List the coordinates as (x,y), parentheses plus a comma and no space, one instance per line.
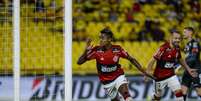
(6,47)
(40,55)
(42,50)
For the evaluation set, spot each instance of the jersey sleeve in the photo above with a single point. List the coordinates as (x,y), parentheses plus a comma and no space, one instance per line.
(91,54)
(123,53)
(159,53)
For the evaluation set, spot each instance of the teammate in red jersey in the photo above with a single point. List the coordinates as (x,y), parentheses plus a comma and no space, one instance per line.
(167,57)
(109,70)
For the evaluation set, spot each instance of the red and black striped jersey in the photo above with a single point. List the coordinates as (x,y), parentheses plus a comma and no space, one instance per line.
(167,58)
(107,62)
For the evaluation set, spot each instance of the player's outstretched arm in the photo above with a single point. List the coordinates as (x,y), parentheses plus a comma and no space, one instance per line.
(149,67)
(83,58)
(139,67)
(192,72)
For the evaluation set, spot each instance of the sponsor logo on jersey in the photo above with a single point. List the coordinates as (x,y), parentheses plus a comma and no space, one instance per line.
(169,65)
(108,69)
(115,50)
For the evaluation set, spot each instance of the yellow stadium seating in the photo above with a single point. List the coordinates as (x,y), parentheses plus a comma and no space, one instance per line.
(42,50)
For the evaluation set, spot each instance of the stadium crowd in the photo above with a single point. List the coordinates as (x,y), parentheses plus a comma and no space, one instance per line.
(134,20)
(149,19)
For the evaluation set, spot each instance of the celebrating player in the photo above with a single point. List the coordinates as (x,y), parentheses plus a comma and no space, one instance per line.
(192,50)
(167,57)
(109,70)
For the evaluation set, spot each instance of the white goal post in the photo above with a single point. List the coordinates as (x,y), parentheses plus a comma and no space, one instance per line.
(16,48)
(67,49)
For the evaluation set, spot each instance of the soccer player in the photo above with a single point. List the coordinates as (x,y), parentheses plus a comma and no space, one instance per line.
(109,70)
(166,58)
(192,50)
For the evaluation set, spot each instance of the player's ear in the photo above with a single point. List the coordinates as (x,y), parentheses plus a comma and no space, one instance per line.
(111,39)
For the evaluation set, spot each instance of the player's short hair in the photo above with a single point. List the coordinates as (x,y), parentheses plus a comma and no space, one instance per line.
(190,29)
(175,31)
(107,32)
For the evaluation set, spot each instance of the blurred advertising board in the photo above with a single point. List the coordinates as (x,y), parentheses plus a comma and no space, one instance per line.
(51,88)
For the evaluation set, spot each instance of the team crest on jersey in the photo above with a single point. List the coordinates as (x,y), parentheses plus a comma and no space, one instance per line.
(115,58)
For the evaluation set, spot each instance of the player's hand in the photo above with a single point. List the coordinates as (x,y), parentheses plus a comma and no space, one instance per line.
(193,72)
(150,76)
(146,79)
(88,46)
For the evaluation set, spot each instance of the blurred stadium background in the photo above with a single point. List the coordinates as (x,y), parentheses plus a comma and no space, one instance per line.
(139,26)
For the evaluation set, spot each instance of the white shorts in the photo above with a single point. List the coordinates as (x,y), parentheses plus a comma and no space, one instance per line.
(172,82)
(112,88)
